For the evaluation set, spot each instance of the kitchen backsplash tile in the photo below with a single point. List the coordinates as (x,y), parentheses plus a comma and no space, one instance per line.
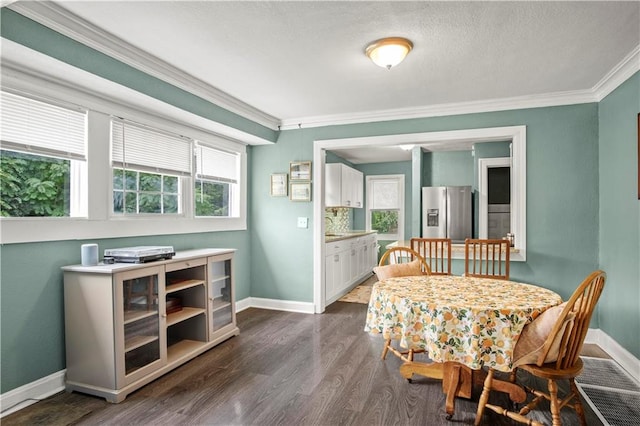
(337,219)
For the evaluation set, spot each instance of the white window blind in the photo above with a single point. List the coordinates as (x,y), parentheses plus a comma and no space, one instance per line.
(41,128)
(216,165)
(137,146)
(386,194)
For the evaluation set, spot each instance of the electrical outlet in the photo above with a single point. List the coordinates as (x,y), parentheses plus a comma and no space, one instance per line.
(303,222)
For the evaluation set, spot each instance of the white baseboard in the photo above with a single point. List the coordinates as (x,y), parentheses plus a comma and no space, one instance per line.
(22,397)
(619,354)
(275,304)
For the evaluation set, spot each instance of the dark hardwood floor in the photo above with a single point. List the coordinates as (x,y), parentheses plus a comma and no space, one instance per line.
(283,369)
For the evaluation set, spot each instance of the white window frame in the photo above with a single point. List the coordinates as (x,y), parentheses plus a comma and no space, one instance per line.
(76,155)
(399,179)
(100,222)
(234,182)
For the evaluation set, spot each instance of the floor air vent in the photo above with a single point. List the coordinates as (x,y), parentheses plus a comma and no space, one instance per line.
(612,393)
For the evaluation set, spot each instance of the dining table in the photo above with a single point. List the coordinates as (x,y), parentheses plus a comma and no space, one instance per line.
(461,323)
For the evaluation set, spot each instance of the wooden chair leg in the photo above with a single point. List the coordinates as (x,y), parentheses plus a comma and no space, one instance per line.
(555,404)
(578,402)
(386,348)
(484,397)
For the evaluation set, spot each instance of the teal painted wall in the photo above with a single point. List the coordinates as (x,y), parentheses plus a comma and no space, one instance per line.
(562,197)
(449,168)
(619,245)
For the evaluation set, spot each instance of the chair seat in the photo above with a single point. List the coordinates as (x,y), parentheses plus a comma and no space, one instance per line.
(550,371)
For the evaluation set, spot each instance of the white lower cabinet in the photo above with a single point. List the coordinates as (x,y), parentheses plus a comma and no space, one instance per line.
(127,324)
(347,263)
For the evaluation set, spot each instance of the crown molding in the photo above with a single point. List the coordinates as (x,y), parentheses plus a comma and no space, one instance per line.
(64,22)
(489,105)
(614,78)
(618,75)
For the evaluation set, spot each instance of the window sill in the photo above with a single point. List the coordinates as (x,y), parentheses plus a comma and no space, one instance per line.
(457,251)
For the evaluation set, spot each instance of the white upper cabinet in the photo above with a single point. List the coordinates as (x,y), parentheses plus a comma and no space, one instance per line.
(344,186)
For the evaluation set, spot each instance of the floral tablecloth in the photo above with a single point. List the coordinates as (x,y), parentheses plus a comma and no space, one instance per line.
(474,321)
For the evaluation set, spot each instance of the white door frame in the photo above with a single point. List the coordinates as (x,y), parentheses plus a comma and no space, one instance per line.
(516,134)
(484,164)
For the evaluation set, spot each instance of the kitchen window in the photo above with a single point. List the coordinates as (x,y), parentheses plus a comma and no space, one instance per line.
(385,206)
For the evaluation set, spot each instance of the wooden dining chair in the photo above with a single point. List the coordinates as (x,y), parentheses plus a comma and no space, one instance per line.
(549,348)
(400,255)
(436,252)
(400,262)
(486,258)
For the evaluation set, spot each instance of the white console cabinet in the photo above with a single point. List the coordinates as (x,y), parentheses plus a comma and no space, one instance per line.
(128,324)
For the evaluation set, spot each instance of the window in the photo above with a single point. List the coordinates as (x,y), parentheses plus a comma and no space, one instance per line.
(42,162)
(140,192)
(385,206)
(148,166)
(102,176)
(216,183)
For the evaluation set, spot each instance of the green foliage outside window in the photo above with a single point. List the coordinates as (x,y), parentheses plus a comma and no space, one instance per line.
(33,185)
(142,192)
(385,221)
(212,198)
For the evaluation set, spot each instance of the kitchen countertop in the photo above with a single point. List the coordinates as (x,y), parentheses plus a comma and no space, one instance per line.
(337,236)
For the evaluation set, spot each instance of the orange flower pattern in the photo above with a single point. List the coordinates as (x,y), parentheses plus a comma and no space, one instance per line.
(474,321)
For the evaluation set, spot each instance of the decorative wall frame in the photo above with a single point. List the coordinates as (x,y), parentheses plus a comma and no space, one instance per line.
(300,171)
(279,185)
(300,191)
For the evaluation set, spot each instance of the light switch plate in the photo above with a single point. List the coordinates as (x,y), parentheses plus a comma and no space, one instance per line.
(303,222)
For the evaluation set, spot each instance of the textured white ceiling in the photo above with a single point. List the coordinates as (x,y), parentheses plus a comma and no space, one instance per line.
(305,59)
(301,60)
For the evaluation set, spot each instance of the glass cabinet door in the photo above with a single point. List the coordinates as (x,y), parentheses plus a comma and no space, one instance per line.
(142,341)
(220,293)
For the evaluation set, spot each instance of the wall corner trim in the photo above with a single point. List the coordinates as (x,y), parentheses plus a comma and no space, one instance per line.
(28,394)
(619,354)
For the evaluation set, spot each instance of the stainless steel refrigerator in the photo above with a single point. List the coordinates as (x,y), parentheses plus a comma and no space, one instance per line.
(447,212)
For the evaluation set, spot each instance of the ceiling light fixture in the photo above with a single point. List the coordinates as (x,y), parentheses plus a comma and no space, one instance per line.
(388,52)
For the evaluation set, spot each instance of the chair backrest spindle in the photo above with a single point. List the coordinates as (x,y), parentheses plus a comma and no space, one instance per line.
(436,252)
(487,258)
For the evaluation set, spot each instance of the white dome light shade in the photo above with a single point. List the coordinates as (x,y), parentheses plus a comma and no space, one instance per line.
(389,52)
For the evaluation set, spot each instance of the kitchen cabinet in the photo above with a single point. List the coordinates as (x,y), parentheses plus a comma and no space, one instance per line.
(344,186)
(348,262)
(127,324)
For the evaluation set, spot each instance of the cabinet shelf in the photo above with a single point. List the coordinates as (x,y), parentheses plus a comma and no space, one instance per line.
(183,314)
(182,349)
(220,278)
(132,316)
(219,304)
(137,341)
(182,285)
